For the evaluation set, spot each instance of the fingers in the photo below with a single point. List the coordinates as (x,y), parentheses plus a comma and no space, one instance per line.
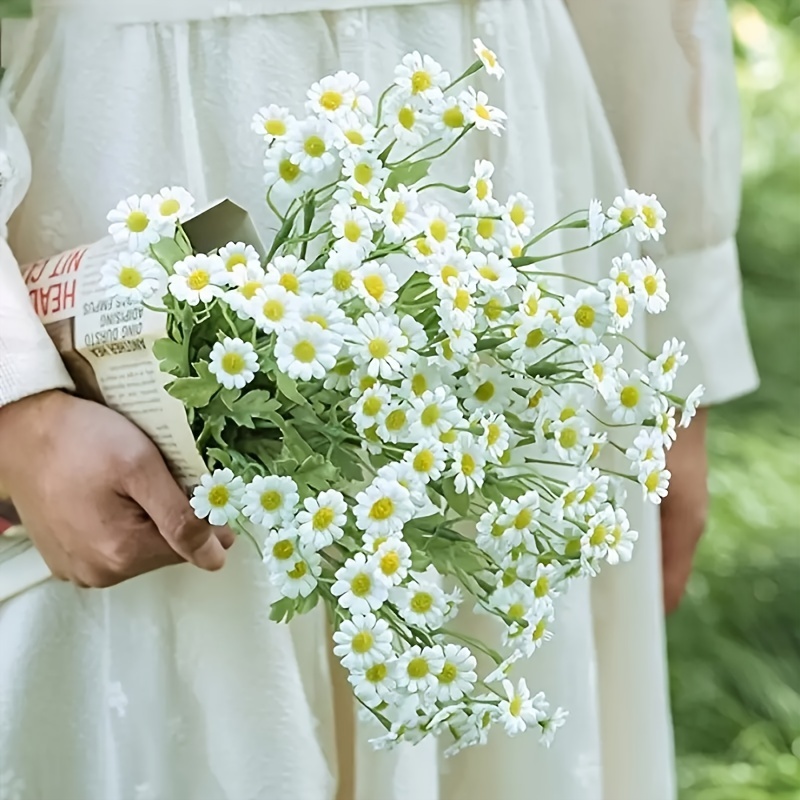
(155,490)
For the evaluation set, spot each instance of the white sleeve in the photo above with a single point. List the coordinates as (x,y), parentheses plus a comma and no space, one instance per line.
(29,362)
(665,72)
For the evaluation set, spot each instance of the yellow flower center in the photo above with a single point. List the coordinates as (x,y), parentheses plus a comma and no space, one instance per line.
(422,602)
(448,437)
(453,117)
(300,571)
(541,626)
(488,272)
(523,519)
(361,585)
(354,137)
(275,127)
(481,189)
(382,509)
(424,461)
(376,673)
(271,500)
(535,399)
(430,415)
(651,481)
(650,217)
(622,306)
(462,299)
(598,535)
(417,668)
(169,207)
(629,397)
(650,284)
(375,286)
(493,432)
(568,438)
(438,229)
(489,57)
(515,706)
(322,518)
(137,222)
(627,215)
(423,248)
(362,174)
(585,316)
(314,146)
(362,642)
(390,563)
(367,382)
(493,309)
(399,212)
(485,392)
(468,464)
(379,348)
(234,261)
(318,319)
(516,611)
(283,549)
(198,280)
(598,371)
(331,100)
(248,291)
(541,587)
(274,310)
(589,494)
(288,171)
(396,420)
(407,117)
(517,214)
(669,364)
(130,277)
(419,385)
(485,227)
(218,496)
(305,351)
(449,673)
(420,82)
(232,363)
(372,406)
(342,280)
(534,338)
(482,112)
(447,273)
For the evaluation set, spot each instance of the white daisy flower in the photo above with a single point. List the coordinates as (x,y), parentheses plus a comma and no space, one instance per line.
(518,214)
(538,631)
(399,214)
(601,367)
(310,145)
(632,402)
(273,308)
(449,266)
(239,254)
(550,725)
(218,497)
(623,211)
(354,134)
(428,460)
(270,500)
(665,367)
(371,408)
(366,174)
(655,483)
(521,515)
(291,273)
(571,439)
(624,269)
(458,676)
(478,111)
(377,343)
(488,231)
(516,601)
(377,285)
(494,309)
(440,226)
(359,585)
(171,206)
(233,363)
(415,334)
(596,222)
(301,579)
(283,174)
(198,279)
(609,536)
(375,685)
(305,351)
(421,603)
(488,387)
(352,229)
(488,59)
(135,223)
(519,711)
(363,640)
(246,282)
(665,421)
(393,557)
(408,120)
(337,280)
(383,508)
(458,308)
(132,276)
(494,273)
(337,94)
(449,116)
(422,376)
(322,520)
(417,668)
(393,424)
(496,436)
(502,670)
(585,316)
(481,187)
(621,303)
(433,413)
(403,473)
(323,311)
(421,76)
(530,343)
(690,405)
(273,123)
(282,550)
(650,286)
(469,460)
(649,222)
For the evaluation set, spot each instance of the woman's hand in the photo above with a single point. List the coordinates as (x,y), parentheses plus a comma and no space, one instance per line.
(685,509)
(95,494)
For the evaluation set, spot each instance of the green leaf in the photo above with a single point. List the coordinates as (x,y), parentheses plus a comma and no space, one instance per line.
(408,174)
(316,472)
(294,445)
(307,604)
(168,253)
(282,610)
(221,457)
(288,388)
(458,502)
(171,355)
(16,8)
(194,392)
(347,463)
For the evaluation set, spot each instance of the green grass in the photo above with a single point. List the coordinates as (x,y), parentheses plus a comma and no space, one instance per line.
(735,643)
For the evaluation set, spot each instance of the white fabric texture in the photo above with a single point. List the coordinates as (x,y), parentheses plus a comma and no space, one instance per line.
(176,686)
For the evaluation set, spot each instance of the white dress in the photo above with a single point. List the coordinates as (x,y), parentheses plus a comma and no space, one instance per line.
(176,686)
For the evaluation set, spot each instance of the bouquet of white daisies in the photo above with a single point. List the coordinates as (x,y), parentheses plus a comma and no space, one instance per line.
(400,405)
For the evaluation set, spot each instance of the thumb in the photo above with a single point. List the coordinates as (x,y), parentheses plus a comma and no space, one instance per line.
(155,490)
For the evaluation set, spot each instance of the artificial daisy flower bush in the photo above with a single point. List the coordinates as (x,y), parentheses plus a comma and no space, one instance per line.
(400,405)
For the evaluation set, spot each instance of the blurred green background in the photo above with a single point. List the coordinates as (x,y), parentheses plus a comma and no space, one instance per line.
(735,643)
